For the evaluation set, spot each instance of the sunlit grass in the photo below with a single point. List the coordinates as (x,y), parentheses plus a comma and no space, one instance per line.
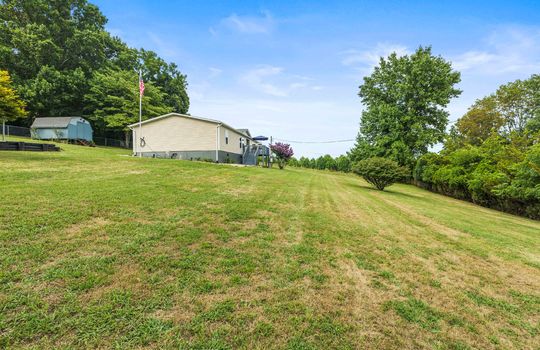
(99,249)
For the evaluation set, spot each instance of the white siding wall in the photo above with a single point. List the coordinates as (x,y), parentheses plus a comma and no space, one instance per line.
(234,140)
(177,133)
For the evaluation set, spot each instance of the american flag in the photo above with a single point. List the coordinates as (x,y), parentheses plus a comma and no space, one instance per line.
(141,85)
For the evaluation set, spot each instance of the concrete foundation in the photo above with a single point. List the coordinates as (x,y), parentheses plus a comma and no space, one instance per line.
(223,157)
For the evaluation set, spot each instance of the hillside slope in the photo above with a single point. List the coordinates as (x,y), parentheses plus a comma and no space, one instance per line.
(99,249)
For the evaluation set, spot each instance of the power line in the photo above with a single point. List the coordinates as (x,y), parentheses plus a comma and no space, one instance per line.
(330,141)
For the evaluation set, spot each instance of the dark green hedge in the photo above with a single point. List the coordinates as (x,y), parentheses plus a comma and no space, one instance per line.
(501,173)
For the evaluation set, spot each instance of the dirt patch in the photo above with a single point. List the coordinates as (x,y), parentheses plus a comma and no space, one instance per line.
(94,224)
(124,277)
(137,172)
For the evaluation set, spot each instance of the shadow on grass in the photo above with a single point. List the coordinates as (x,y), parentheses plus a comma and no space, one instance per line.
(374,190)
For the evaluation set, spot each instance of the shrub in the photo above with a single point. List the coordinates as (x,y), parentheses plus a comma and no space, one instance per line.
(283,152)
(500,173)
(380,172)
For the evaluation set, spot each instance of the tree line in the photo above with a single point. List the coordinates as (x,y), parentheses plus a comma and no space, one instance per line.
(326,162)
(491,156)
(63,62)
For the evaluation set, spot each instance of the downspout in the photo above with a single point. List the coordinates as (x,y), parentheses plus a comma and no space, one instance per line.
(217,143)
(133,144)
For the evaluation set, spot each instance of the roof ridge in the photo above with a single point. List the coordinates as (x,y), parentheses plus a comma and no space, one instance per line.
(131,126)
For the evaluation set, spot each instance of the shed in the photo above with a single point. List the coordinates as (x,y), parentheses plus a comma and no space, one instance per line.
(62,128)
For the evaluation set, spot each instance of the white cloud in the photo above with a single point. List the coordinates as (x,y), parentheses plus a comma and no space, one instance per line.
(271,80)
(370,58)
(472,59)
(261,24)
(214,72)
(257,79)
(507,50)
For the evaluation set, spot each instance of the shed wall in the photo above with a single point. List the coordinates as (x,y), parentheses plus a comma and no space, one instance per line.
(52,134)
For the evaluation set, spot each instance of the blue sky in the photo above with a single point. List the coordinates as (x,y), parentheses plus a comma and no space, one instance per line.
(291,69)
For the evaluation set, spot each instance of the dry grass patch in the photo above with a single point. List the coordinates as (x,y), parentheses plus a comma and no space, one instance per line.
(193,255)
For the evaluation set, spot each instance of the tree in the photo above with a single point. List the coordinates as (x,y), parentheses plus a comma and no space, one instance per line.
(53,49)
(480,121)
(283,153)
(303,162)
(380,172)
(492,155)
(11,107)
(168,78)
(405,97)
(518,102)
(113,100)
(343,163)
(294,162)
(512,112)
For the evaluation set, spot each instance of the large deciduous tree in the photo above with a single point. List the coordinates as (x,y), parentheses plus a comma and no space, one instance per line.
(55,49)
(113,100)
(51,48)
(168,78)
(480,121)
(519,102)
(513,111)
(492,155)
(405,99)
(11,107)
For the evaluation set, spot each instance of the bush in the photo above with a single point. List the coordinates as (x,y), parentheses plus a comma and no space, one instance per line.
(500,173)
(283,153)
(380,172)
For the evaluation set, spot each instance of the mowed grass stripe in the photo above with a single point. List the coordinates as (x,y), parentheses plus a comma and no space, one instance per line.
(101,250)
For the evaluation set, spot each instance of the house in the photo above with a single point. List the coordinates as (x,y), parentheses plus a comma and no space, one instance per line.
(182,136)
(62,128)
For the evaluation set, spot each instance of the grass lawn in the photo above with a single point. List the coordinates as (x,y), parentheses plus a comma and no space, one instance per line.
(102,250)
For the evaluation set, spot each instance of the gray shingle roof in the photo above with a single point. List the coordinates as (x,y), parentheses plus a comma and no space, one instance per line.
(52,122)
(244,131)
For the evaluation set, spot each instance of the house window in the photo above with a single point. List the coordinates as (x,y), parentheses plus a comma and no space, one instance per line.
(241,143)
(226,137)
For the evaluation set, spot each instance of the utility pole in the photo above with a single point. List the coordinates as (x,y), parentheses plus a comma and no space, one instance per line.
(270,153)
(141,89)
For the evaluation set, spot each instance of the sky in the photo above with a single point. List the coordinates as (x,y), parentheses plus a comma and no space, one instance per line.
(291,69)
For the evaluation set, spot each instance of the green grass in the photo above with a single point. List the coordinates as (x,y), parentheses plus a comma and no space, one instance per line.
(102,250)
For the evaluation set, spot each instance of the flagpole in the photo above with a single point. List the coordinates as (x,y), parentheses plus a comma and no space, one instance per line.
(140,116)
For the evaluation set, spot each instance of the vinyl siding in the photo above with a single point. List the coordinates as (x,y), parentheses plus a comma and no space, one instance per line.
(234,141)
(177,133)
(51,134)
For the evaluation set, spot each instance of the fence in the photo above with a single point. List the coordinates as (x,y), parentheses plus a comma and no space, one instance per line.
(21,131)
(105,141)
(12,130)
